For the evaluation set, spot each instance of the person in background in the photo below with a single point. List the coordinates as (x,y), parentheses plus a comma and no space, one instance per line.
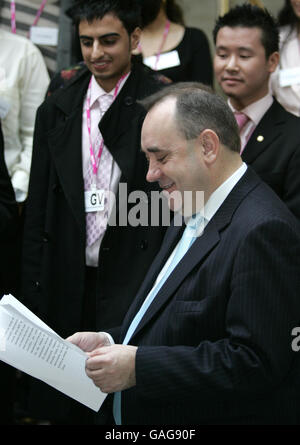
(180,53)
(285,81)
(24,80)
(8,231)
(79,267)
(247,40)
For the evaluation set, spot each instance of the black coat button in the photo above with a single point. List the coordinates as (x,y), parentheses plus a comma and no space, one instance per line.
(46,237)
(128,101)
(144,245)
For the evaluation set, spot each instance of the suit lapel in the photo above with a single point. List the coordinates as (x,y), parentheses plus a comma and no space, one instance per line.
(65,145)
(201,248)
(117,126)
(268,130)
(172,237)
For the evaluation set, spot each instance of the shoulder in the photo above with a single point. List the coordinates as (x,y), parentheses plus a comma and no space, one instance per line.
(289,118)
(19,46)
(287,34)
(262,206)
(195,34)
(66,77)
(148,81)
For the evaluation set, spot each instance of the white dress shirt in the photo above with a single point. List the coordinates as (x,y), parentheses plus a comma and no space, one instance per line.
(255,112)
(23,83)
(92,252)
(212,205)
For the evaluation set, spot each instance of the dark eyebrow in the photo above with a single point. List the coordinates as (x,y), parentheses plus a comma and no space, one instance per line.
(110,34)
(240,48)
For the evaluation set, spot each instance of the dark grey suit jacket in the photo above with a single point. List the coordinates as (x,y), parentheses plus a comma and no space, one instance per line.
(215,345)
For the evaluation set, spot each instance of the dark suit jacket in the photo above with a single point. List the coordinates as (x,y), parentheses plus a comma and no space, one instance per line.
(8,219)
(53,279)
(276,158)
(215,344)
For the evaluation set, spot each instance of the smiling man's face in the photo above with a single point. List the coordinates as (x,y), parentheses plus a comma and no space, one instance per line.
(106,49)
(240,64)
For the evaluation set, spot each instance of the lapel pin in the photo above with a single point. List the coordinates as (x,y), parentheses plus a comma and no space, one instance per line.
(260,138)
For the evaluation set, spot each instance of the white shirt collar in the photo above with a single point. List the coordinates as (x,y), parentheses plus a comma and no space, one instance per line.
(215,201)
(97,91)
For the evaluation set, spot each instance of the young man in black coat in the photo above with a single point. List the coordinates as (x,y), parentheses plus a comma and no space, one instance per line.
(74,277)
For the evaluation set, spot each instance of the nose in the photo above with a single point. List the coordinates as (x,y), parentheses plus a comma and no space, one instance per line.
(154,172)
(232,63)
(97,51)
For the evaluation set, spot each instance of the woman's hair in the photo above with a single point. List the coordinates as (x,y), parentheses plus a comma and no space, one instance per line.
(151,8)
(287,16)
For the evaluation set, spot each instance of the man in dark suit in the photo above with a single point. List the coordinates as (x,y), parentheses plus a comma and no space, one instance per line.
(247,45)
(208,338)
(8,233)
(83,263)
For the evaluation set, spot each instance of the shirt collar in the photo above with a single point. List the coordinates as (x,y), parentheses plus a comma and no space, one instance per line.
(215,201)
(97,91)
(256,110)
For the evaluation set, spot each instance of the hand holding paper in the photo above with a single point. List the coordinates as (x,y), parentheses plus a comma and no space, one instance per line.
(29,345)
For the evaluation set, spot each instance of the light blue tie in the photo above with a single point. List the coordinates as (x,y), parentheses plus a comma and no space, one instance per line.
(187,239)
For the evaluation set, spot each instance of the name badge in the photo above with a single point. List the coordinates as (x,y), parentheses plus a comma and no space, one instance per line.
(289,76)
(166,60)
(4,108)
(94,200)
(40,35)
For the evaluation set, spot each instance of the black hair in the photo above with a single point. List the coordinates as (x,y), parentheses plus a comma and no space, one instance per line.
(287,16)
(127,11)
(249,16)
(151,8)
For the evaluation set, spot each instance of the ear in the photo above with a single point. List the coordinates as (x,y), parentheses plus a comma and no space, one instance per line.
(135,38)
(210,143)
(273,61)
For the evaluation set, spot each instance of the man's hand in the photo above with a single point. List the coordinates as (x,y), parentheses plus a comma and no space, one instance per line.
(89,341)
(112,368)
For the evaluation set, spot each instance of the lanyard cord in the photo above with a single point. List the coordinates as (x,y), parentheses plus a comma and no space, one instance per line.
(96,163)
(13,15)
(164,38)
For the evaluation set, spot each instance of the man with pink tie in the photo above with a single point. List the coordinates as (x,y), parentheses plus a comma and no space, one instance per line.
(247,52)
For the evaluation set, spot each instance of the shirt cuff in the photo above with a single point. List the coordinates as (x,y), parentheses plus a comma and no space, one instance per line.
(109,337)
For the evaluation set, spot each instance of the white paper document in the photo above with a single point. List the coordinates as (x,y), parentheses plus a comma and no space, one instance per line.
(28,344)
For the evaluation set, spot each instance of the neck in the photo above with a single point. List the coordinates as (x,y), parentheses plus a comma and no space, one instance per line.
(110,83)
(158,25)
(239,103)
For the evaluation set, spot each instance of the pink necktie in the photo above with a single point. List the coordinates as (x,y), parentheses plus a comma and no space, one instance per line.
(96,222)
(241,119)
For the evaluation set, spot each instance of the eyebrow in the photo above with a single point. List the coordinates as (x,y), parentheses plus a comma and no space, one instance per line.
(110,34)
(240,48)
(152,150)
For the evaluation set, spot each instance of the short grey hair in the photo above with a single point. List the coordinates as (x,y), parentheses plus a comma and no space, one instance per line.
(198,108)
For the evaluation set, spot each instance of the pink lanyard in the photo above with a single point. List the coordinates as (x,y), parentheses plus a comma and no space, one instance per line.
(13,14)
(96,163)
(164,38)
